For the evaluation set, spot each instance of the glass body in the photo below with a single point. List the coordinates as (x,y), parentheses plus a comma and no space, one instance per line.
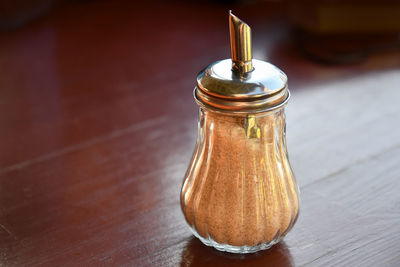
(239,193)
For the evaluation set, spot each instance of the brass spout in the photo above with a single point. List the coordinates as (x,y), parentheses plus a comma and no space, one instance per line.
(240,35)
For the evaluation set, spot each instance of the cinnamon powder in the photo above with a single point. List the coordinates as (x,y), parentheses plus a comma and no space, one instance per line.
(239,188)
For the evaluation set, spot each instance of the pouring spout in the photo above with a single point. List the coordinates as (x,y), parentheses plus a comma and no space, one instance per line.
(241,50)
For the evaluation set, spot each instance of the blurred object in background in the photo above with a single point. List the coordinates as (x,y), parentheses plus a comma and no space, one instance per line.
(345,31)
(15,13)
(326,31)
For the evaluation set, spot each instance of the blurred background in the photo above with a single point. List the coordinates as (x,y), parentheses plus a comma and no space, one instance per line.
(328,31)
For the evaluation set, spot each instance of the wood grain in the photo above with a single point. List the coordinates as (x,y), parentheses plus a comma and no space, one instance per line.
(98,123)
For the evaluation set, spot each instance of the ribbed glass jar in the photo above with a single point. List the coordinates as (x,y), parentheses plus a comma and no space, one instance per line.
(239,193)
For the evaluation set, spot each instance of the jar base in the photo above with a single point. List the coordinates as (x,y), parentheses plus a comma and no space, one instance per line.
(234,249)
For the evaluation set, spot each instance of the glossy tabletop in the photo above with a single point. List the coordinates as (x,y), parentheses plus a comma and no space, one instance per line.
(98,123)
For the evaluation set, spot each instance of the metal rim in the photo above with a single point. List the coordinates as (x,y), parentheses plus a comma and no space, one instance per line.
(242,110)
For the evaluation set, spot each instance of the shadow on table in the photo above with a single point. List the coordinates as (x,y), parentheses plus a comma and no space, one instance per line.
(197,254)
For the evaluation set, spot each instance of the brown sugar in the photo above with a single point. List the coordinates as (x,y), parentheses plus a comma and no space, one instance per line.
(239,189)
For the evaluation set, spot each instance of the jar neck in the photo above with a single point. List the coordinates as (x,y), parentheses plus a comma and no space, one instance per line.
(235,117)
(267,126)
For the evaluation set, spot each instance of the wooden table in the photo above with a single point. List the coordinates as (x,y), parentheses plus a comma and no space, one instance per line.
(98,123)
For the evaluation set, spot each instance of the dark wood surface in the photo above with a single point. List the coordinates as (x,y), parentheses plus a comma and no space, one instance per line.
(98,123)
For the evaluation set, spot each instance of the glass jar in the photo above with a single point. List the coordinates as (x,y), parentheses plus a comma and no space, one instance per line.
(239,193)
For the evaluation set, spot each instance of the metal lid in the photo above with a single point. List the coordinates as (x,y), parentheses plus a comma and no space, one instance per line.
(241,84)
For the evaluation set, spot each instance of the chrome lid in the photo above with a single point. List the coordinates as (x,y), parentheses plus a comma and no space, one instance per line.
(241,84)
